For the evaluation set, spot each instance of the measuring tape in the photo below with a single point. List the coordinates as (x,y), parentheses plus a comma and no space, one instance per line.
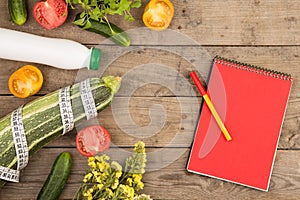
(87,99)
(19,136)
(21,148)
(9,174)
(67,117)
(66,109)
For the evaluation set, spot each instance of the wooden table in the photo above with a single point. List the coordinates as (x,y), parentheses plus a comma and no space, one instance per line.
(260,32)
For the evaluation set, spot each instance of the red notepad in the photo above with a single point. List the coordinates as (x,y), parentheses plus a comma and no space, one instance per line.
(251,102)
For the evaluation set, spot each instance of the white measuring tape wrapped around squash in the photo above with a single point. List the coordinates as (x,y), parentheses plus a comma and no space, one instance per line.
(33,125)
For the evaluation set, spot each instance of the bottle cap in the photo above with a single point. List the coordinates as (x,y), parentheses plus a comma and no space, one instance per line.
(95,58)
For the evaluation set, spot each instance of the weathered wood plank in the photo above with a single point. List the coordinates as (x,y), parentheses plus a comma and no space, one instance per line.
(170,124)
(279,58)
(208,22)
(170,182)
(285,59)
(219,25)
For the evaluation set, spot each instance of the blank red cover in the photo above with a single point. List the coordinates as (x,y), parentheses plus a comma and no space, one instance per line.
(251,102)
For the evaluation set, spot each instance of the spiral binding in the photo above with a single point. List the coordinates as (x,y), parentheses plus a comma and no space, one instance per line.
(252,68)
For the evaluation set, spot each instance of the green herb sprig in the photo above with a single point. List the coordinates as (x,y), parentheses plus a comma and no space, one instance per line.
(99,10)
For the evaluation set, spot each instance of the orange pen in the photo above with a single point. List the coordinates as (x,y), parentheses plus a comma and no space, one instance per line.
(210,105)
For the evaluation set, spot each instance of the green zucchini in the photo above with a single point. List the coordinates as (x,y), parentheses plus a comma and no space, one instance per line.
(110,31)
(17,11)
(42,120)
(57,178)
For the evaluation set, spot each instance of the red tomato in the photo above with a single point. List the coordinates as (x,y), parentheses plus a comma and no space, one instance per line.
(92,140)
(50,13)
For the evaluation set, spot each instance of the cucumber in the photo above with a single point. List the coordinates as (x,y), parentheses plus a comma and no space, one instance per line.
(42,119)
(17,11)
(110,31)
(57,178)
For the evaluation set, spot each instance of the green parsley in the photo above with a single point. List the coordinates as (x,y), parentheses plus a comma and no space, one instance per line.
(99,10)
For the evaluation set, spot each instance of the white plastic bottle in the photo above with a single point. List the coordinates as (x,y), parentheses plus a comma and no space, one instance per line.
(60,53)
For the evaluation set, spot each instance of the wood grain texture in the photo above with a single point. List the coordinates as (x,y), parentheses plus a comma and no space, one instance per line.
(209,22)
(133,122)
(265,33)
(278,58)
(170,182)
(285,59)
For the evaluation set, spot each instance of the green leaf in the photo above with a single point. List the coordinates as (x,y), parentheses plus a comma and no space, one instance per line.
(80,22)
(83,14)
(119,12)
(128,18)
(95,14)
(136,4)
(68,2)
(125,5)
(99,10)
(87,25)
(94,3)
(113,5)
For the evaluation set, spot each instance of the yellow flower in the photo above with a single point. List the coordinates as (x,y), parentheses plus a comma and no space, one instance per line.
(127,191)
(116,166)
(110,192)
(99,186)
(102,158)
(99,179)
(102,166)
(130,192)
(140,185)
(95,173)
(92,164)
(139,147)
(137,177)
(129,181)
(118,174)
(91,159)
(102,180)
(86,194)
(89,194)
(142,197)
(87,177)
(115,184)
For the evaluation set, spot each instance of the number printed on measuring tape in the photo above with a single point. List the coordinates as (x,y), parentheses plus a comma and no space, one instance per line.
(87,99)
(21,147)
(19,138)
(66,109)
(9,174)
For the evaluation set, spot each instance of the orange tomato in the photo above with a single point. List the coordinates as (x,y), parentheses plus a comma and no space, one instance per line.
(26,81)
(158,14)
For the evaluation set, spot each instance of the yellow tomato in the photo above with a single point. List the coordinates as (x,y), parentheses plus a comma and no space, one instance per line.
(26,81)
(158,14)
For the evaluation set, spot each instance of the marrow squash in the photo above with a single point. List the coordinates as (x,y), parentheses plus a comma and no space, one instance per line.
(42,119)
